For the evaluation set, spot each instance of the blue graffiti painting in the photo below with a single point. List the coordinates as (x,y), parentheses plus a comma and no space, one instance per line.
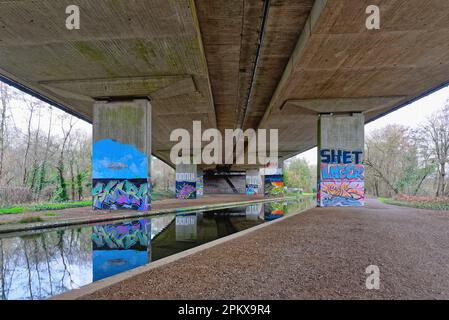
(112,159)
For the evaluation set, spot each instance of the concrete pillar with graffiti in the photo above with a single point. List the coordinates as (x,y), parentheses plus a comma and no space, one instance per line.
(121,155)
(274,180)
(186,181)
(199,183)
(254,183)
(340,160)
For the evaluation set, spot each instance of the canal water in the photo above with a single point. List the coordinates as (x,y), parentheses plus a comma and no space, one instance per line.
(41,264)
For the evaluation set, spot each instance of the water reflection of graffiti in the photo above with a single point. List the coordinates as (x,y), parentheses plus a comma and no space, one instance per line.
(274,185)
(185,190)
(275,210)
(120,247)
(342,178)
(122,236)
(121,194)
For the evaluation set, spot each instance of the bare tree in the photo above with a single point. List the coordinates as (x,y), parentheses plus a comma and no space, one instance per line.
(31,108)
(433,136)
(4,97)
(66,130)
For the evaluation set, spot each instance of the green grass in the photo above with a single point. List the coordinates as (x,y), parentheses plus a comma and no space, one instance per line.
(161,195)
(44,207)
(49,214)
(432,205)
(30,219)
(156,195)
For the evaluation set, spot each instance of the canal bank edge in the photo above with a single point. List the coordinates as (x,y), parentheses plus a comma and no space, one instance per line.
(104,283)
(11,228)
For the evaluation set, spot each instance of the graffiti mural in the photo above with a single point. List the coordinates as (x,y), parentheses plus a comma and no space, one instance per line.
(185,190)
(120,247)
(199,186)
(187,182)
(120,177)
(342,179)
(133,194)
(252,189)
(274,185)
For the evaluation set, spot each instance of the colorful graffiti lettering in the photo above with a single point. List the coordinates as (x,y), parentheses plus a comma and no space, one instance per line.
(274,185)
(337,193)
(185,190)
(121,194)
(342,171)
(341,179)
(252,189)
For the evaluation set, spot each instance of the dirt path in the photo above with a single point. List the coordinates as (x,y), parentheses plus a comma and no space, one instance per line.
(320,254)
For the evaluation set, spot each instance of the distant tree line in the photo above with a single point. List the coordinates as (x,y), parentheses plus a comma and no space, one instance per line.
(410,161)
(44,159)
(299,174)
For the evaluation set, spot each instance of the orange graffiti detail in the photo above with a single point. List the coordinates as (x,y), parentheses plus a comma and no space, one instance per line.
(343,190)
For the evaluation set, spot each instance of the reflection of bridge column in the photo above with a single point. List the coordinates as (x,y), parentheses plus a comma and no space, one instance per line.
(274,180)
(186,181)
(121,155)
(254,185)
(340,154)
(255,211)
(186,227)
(120,247)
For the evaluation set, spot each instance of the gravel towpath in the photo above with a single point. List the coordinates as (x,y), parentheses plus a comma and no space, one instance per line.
(322,253)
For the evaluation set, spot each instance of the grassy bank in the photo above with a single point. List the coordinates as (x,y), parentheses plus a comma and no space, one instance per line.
(44,207)
(432,204)
(156,195)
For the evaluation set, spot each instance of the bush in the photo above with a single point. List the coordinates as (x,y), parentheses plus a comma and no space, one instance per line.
(30,219)
(15,195)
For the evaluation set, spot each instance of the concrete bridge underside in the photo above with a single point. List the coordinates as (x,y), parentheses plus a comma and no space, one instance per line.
(230,64)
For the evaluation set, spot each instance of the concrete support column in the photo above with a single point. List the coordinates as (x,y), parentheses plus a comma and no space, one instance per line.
(186,181)
(340,157)
(254,184)
(121,155)
(274,180)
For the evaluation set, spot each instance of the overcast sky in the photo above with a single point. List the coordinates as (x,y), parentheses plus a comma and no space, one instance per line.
(411,115)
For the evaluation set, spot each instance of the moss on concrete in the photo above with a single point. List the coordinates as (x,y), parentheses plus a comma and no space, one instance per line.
(145,52)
